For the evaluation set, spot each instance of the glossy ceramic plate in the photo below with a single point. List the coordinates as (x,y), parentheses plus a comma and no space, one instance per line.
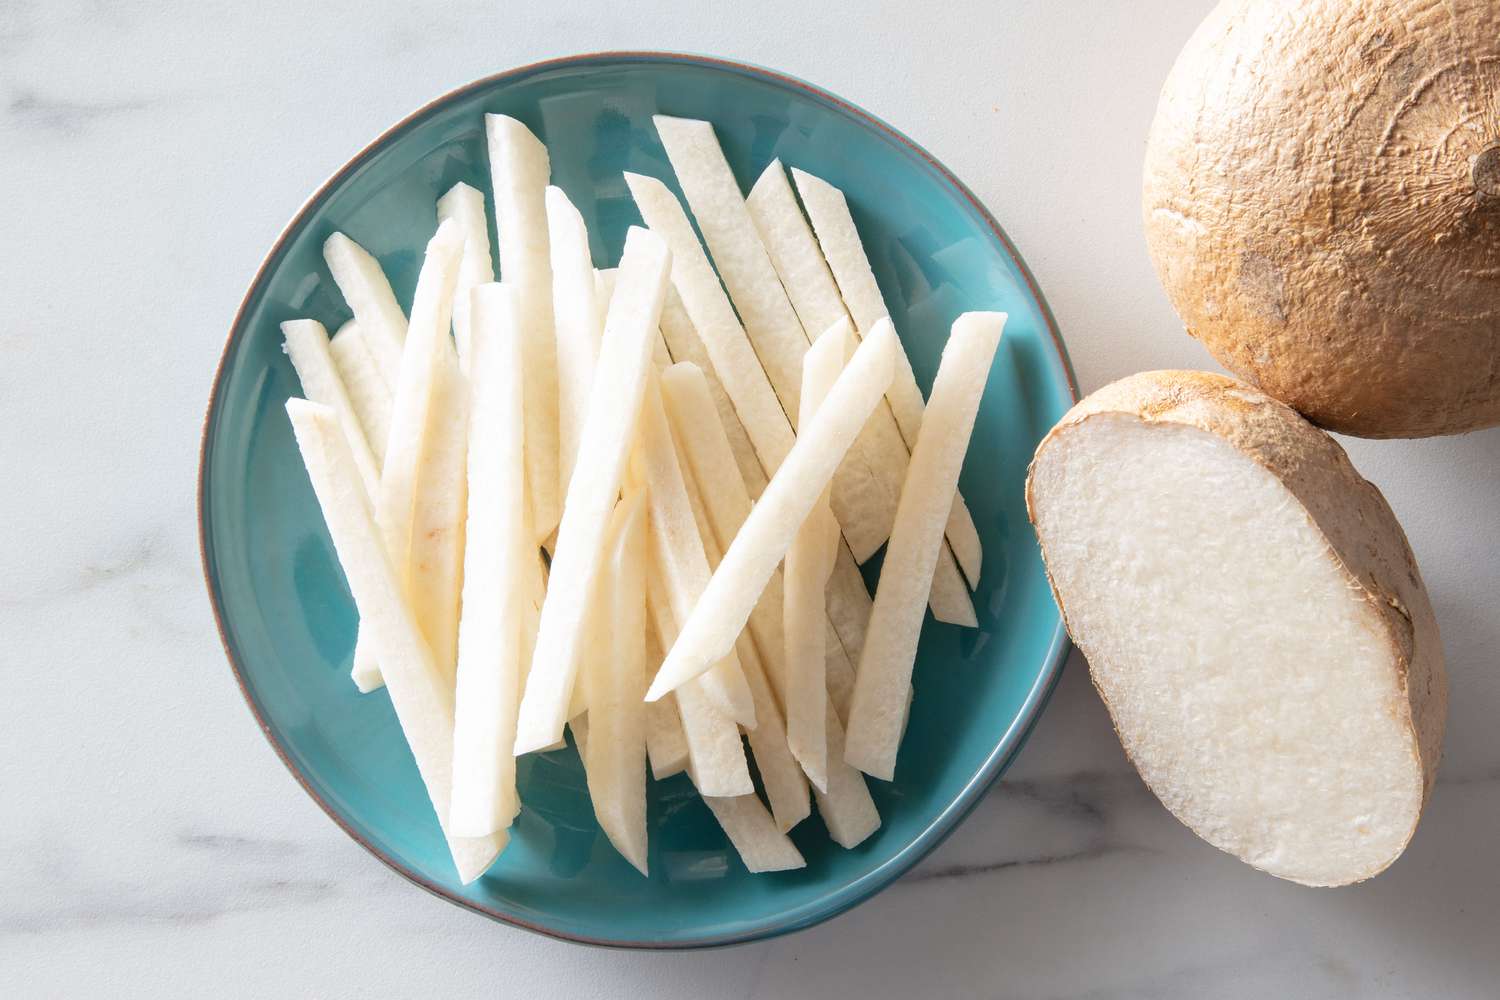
(288,621)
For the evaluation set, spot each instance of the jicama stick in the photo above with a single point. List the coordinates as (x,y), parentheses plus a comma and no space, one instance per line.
(608,429)
(666,746)
(719,208)
(846,808)
(519,170)
(426,351)
(465,205)
(437,545)
(685,346)
(734,360)
(839,240)
(677,549)
(752,831)
(307,346)
(716,755)
(579,322)
(421,697)
(865,506)
(615,744)
(712,479)
(369,295)
(498,558)
(767,533)
(809,562)
(727,504)
(368,392)
(880,687)
(794,250)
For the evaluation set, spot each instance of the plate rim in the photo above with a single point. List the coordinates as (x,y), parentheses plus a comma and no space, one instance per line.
(809,914)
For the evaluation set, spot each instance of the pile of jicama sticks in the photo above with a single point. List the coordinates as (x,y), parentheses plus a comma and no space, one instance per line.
(626,502)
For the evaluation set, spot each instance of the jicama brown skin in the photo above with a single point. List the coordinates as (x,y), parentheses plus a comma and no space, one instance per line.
(421,696)
(1322,204)
(878,709)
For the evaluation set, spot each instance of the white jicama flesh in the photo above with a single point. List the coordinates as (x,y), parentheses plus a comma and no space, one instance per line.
(685,346)
(370,297)
(1252,616)
(666,745)
(677,549)
(713,482)
(752,558)
(579,322)
(846,806)
(420,695)
(780,774)
(498,566)
(437,545)
(724,220)
(754,834)
(809,562)
(794,250)
(877,710)
(839,240)
(465,205)
(519,170)
(734,360)
(716,754)
(368,392)
(307,345)
(614,747)
(426,351)
(603,450)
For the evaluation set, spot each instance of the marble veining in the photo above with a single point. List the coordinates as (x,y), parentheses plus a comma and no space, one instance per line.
(152,843)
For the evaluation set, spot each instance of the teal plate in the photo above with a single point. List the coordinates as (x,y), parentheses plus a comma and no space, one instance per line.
(288,621)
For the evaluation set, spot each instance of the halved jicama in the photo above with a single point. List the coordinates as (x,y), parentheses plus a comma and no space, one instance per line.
(1253,618)
(465,205)
(839,240)
(370,297)
(615,743)
(877,711)
(368,392)
(768,532)
(809,562)
(677,548)
(498,557)
(519,171)
(420,695)
(578,316)
(307,345)
(603,449)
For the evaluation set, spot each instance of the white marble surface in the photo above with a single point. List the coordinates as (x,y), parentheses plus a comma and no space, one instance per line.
(151,843)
